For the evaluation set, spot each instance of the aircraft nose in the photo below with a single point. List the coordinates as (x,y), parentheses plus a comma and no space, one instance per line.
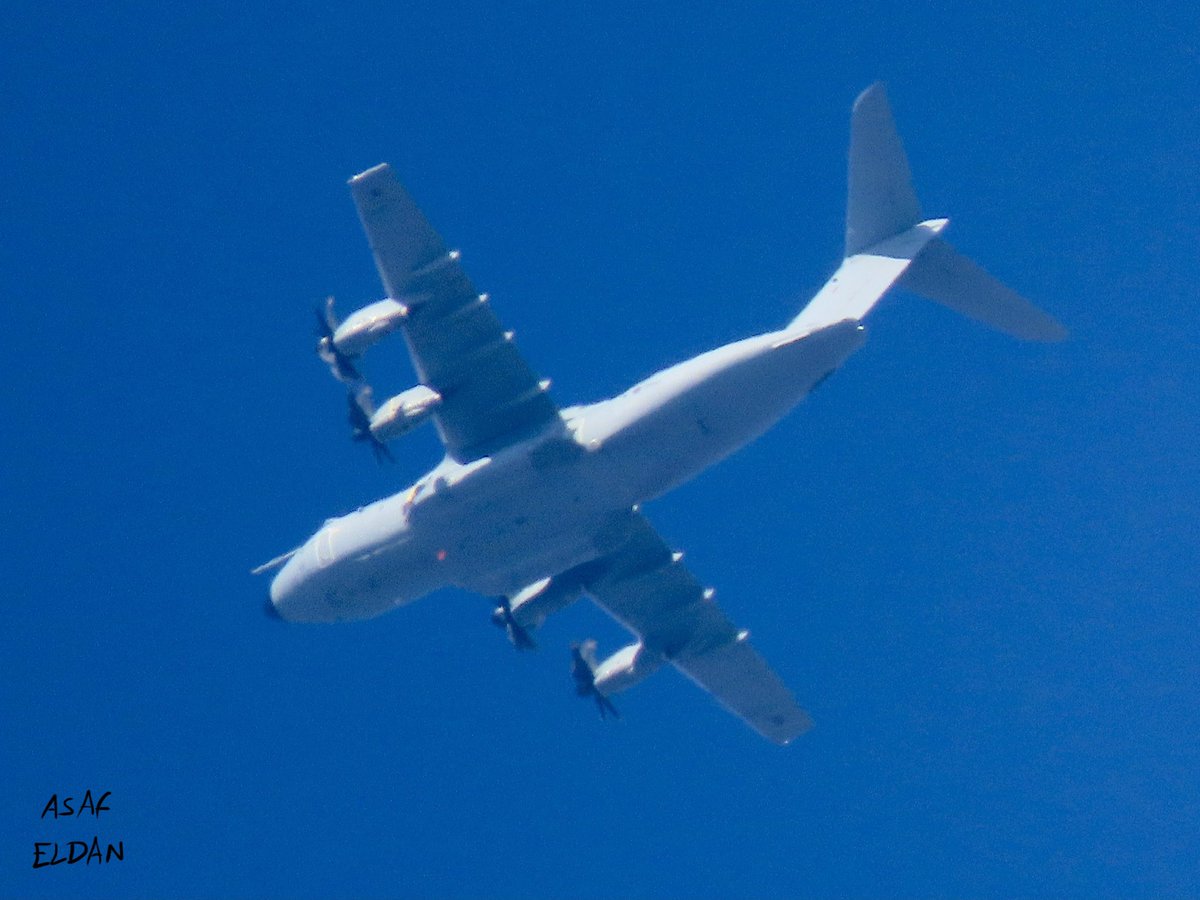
(270,610)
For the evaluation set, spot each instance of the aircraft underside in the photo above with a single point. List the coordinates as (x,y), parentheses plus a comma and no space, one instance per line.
(534,505)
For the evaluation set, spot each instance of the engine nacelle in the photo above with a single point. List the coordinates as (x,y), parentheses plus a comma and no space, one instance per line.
(625,668)
(367,326)
(404,412)
(533,604)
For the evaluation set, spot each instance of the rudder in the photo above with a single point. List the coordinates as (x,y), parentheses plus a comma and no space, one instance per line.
(880,200)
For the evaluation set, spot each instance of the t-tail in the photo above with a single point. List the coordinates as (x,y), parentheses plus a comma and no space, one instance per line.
(888,243)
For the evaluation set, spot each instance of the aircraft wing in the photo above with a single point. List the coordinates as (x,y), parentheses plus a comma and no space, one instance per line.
(490,397)
(645,586)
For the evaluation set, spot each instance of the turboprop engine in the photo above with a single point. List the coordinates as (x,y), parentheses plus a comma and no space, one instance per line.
(622,670)
(530,606)
(365,327)
(404,412)
(342,342)
(625,668)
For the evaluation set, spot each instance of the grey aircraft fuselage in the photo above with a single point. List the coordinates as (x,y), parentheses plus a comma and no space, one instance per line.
(497,524)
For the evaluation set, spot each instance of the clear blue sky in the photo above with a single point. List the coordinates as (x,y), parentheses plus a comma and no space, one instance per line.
(974,559)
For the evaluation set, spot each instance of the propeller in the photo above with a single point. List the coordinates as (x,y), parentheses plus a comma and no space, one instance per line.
(338,362)
(360,424)
(583,670)
(503,617)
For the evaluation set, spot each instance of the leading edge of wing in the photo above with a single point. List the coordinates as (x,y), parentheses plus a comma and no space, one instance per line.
(646,587)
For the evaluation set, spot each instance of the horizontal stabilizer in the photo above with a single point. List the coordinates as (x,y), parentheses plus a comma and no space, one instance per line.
(944,275)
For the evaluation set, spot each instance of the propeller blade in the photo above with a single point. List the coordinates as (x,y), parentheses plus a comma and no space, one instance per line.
(322,330)
(343,368)
(381,451)
(583,670)
(360,423)
(518,634)
(337,361)
(582,673)
(330,315)
(360,430)
(605,704)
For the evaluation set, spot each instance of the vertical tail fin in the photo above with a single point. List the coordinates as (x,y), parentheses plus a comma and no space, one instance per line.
(887,243)
(880,201)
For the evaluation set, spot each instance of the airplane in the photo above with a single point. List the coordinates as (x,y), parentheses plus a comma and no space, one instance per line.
(537,505)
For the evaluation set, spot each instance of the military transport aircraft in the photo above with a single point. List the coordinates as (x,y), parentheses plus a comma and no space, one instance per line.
(536,505)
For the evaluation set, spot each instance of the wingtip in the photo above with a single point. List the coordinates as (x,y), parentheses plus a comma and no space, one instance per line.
(800,728)
(1035,325)
(1054,332)
(873,91)
(367,173)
